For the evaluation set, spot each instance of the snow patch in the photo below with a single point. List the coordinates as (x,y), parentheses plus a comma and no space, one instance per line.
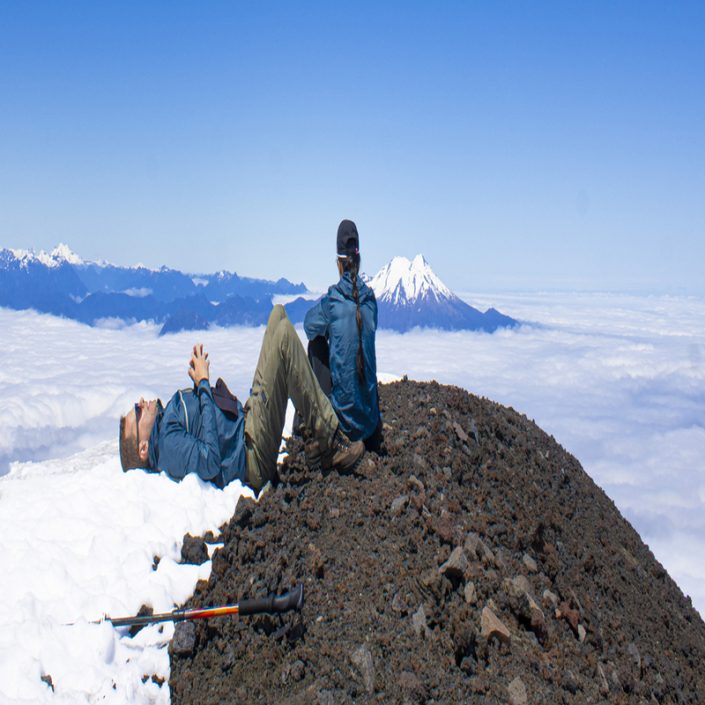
(138,293)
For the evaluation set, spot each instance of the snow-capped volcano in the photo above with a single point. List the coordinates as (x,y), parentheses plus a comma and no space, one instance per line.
(407,281)
(410,295)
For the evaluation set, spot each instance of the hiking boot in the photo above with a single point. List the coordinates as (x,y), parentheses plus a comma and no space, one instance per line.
(344,455)
(298,430)
(312,451)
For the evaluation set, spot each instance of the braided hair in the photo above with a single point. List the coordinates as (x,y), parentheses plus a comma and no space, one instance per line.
(351,264)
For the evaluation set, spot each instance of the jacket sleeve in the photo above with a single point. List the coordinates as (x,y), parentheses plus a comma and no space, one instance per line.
(186,452)
(316,320)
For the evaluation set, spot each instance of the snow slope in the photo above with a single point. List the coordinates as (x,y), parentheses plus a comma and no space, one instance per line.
(78,542)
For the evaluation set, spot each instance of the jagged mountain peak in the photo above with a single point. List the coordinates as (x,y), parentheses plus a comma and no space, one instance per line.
(61,254)
(65,253)
(404,281)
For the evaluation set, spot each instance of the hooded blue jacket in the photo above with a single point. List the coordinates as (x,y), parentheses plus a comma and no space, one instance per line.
(356,405)
(193,435)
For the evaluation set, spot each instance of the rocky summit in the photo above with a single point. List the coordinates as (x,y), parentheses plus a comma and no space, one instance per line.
(476,562)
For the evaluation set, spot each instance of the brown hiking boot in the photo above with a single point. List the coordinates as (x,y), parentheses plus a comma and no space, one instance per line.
(344,455)
(312,451)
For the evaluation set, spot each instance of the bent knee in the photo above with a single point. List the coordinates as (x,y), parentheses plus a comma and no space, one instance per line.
(278,312)
(276,315)
(285,335)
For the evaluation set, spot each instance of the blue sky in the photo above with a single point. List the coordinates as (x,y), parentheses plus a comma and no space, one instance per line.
(517,145)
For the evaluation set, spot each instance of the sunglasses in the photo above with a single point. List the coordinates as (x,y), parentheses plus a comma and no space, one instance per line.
(138,413)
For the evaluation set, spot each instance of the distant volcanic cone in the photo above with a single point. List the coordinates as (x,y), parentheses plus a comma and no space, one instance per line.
(409,295)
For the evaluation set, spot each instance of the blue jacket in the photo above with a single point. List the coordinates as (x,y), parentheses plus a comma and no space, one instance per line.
(356,405)
(194,435)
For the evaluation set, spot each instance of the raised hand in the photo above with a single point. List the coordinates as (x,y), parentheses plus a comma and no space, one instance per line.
(199,367)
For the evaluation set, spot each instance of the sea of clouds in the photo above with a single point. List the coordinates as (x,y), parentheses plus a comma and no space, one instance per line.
(618,380)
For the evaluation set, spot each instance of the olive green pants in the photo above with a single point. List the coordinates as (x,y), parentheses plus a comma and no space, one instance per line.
(283,372)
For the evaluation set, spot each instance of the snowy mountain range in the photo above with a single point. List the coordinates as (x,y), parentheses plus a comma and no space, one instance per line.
(59,282)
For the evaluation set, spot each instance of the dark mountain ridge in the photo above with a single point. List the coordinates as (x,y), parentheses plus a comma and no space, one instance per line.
(475,563)
(62,284)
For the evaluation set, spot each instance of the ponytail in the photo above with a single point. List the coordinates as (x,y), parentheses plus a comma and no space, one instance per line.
(352,265)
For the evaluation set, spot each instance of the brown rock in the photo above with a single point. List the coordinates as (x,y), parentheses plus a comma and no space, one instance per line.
(491,627)
(184,640)
(550,599)
(398,505)
(456,565)
(571,616)
(418,621)
(412,687)
(362,659)
(537,623)
(478,550)
(517,692)
(470,593)
(444,527)
(602,684)
(633,651)
(420,463)
(479,684)
(569,681)
(525,606)
(315,561)
(460,433)
(414,481)
(530,563)
(194,550)
(517,586)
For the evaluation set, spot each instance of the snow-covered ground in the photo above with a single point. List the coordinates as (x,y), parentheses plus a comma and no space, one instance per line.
(79,536)
(619,381)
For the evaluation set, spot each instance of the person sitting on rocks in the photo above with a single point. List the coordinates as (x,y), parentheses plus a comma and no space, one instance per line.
(341,329)
(206,430)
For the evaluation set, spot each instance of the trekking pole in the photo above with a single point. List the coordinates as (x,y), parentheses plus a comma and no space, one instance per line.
(292,600)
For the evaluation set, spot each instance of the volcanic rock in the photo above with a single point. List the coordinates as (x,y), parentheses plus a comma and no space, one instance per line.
(184,640)
(517,692)
(370,574)
(194,550)
(492,627)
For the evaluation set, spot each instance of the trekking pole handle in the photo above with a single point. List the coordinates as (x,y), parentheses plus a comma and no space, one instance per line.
(292,600)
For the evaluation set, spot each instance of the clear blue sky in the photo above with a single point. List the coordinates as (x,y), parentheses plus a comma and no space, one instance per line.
(515,144)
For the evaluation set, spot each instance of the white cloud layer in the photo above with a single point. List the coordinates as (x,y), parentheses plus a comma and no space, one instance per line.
(619,381)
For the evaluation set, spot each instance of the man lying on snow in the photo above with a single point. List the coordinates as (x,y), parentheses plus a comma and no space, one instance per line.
(205,430)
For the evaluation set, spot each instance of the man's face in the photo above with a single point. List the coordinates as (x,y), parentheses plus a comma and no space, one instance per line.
(141,420)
